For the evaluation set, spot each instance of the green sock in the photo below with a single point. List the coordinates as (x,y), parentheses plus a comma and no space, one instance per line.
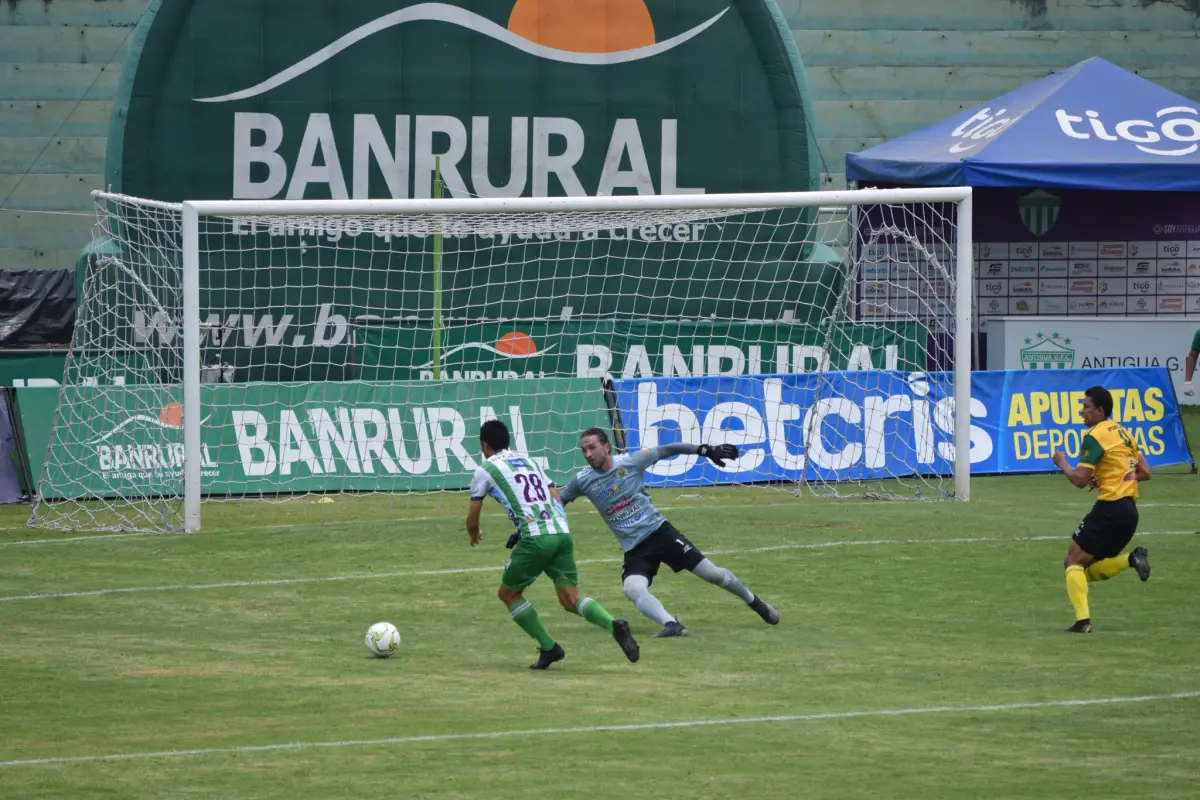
(594,613)
(525,615)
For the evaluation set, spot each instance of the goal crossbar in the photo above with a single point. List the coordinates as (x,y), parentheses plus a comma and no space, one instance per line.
(519,205)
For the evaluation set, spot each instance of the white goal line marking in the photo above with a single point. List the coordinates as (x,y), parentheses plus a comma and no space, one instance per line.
(434,518)
(496,568)
(644,726)
(300,526)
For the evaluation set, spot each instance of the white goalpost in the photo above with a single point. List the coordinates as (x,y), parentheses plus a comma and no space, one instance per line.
(275,348)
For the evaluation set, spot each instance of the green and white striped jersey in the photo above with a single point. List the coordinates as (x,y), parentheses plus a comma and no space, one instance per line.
(523,489)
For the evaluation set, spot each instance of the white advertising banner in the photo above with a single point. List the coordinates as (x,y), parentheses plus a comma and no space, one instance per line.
(1080,343)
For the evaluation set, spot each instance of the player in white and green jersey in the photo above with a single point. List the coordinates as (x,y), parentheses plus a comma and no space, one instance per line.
(544,543)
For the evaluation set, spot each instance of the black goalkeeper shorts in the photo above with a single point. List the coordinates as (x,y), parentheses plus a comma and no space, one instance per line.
(1107,528)
(665,546)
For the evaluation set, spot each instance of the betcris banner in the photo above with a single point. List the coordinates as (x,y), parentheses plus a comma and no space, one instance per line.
(878,424)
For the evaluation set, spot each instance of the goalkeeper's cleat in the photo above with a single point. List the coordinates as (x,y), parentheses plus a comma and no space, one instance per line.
(625,639)
(1140,562)
(1082,626)
(768,614)
(548,657)
(671,630)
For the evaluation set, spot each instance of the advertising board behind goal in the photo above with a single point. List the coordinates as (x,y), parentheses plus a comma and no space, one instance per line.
(261,439)
(264,439)
(883,425)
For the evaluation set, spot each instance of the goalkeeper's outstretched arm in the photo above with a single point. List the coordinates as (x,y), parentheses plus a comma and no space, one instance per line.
(717,453)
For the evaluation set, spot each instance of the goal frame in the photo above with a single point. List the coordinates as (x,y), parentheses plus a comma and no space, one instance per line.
(194,210)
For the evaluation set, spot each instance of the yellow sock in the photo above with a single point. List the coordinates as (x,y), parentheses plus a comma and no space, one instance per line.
(1103,570)
(1077,591)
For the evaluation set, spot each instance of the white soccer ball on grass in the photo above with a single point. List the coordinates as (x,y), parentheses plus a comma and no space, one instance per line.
(383,640)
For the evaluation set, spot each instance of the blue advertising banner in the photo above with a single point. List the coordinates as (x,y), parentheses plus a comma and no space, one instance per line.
(879,424)
(1037,413)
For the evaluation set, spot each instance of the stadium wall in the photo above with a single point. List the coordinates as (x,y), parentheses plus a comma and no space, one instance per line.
(877,69)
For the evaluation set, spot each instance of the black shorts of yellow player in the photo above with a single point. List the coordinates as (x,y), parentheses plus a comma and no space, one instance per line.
(1107,528)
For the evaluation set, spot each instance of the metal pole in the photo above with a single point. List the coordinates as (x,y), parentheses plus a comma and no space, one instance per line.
(964,290)
(191,368)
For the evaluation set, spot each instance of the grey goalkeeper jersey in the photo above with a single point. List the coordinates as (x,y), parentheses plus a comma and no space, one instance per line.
(620,496)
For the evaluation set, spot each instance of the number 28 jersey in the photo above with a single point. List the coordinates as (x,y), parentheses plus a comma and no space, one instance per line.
(521,486)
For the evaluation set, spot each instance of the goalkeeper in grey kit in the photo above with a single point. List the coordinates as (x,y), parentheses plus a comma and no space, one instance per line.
(615,485)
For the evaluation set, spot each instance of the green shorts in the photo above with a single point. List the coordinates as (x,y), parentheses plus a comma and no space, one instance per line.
(553,554)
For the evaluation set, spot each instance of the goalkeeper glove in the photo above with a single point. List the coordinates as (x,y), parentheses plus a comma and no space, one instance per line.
(717,453)
(512,541)
(1187,388)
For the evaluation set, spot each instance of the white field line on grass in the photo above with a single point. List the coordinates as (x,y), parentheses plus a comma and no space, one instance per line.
(247,528)
(644,726)
(374,523)
(300,526)
(496,568)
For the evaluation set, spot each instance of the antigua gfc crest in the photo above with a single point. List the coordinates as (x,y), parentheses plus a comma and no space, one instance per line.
(1039,211)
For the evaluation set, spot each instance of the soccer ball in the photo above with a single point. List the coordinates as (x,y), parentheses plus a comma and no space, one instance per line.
(383,640)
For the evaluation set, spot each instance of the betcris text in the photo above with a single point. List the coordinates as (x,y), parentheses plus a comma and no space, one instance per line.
(836,426)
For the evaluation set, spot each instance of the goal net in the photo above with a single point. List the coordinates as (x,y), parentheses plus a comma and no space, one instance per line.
(357,346)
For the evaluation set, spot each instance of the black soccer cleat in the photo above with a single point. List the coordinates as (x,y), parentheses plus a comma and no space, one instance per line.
(1082,626)
(1140,562)
(768,614)
(625,639)
(548,657)
(671,630)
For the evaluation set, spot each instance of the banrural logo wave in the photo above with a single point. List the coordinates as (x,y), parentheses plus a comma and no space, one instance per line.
(515,345)
(145,445)
(580,32)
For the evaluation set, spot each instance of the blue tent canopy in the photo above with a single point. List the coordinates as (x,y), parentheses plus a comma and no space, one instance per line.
(1091,126)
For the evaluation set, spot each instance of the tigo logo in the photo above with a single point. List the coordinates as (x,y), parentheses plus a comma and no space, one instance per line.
(1177,124)
(981,127)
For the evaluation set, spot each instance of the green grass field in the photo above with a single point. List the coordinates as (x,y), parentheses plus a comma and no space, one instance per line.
(921,655)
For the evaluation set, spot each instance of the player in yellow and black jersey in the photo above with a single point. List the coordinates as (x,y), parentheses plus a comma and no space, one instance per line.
(1110,463)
